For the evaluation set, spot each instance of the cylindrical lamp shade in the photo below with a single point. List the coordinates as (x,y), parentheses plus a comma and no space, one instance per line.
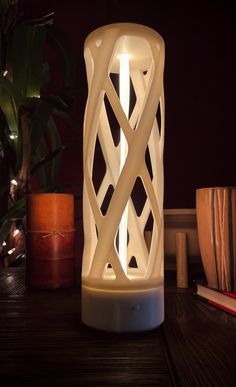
(122,277)
(50,241)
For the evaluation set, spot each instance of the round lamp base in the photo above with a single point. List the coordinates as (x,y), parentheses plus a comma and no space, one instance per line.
(123,311)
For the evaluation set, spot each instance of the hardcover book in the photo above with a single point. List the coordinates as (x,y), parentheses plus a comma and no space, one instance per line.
(222,300)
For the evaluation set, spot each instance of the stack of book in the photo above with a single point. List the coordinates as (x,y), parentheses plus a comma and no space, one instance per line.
(220,299)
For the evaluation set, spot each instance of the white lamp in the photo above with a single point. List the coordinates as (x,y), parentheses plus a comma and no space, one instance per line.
(122,277)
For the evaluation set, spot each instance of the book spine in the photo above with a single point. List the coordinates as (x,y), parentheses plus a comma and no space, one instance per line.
(229,294)
(233,206)
(216,305)
(224,308)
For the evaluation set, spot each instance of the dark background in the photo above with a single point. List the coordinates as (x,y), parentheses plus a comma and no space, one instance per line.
(199,83)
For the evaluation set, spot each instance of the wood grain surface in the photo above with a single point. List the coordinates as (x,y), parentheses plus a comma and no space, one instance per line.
(43,342)
(200,339)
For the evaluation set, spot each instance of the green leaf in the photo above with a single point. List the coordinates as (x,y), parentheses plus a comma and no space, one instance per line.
(54,141)
(57,101)
(21,43)
(59,40)
(8,159)
(4,4)
(15,211)
(47,159)
(4,230)
(8,104)
(36,64)
(4,188)
(42,174)
(43,20)
(39,123)
(27,58)
(46,77)
(2,51)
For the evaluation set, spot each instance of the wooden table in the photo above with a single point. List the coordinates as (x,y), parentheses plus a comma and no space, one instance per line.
(43,342)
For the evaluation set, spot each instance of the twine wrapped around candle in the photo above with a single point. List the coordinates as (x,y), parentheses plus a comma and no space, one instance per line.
(48,233)
(50,240)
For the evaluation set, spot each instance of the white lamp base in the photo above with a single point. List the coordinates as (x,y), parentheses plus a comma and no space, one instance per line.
(123,311)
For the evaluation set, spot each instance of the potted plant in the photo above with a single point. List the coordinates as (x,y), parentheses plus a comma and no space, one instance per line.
(30,142)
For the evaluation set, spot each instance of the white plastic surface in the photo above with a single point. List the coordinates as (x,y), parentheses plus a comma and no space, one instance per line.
(104,269)
(119,311)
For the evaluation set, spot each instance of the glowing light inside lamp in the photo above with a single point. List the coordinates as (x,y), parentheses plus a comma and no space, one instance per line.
(124,89)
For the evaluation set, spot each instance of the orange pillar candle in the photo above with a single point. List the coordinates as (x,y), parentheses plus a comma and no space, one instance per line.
(50,240)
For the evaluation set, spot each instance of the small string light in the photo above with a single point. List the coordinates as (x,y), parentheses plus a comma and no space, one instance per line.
(13,136)
(5,73)
(11,251)
(4,243)
(14,182)
(16,232)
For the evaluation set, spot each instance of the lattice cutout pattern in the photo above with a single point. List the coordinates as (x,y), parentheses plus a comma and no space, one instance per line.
(145,139)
